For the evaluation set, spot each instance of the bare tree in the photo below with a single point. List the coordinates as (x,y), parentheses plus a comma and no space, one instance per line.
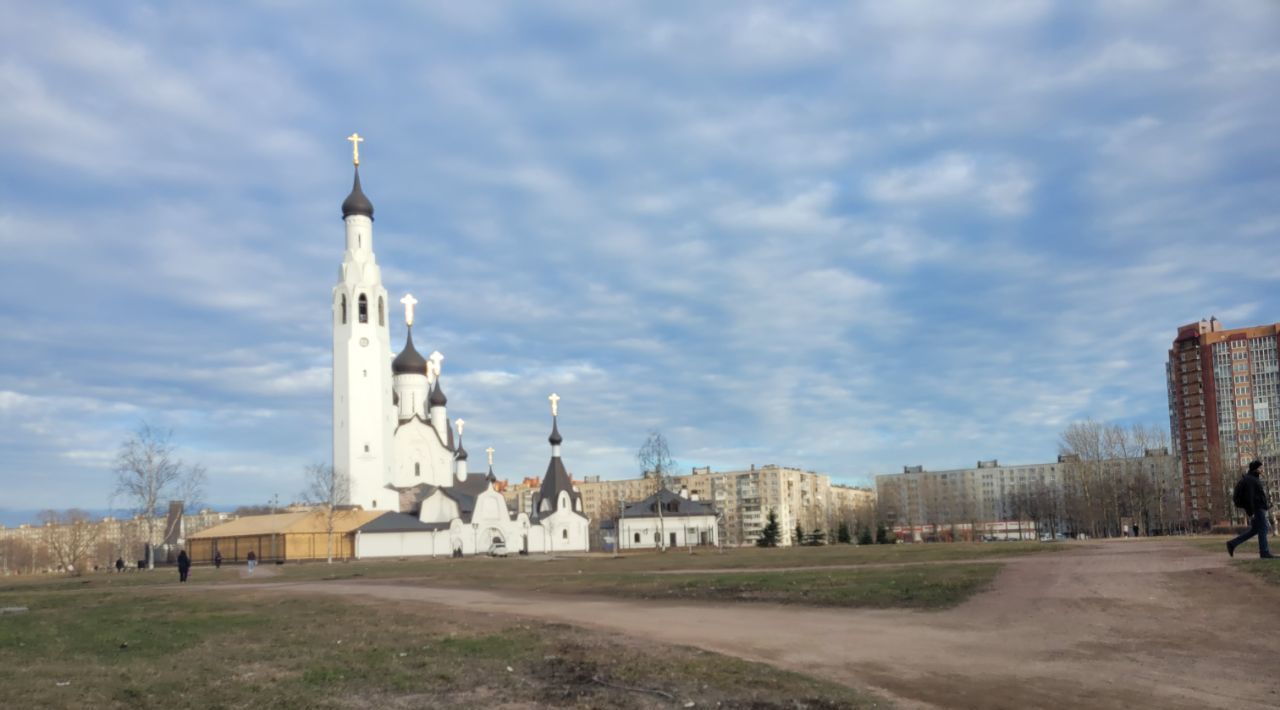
(69,537)
(149,473)
(327,488)
(655,460)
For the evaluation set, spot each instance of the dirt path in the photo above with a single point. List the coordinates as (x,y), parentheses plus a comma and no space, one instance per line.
(1120,625)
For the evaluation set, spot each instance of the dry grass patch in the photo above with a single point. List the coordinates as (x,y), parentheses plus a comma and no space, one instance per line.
(235,648)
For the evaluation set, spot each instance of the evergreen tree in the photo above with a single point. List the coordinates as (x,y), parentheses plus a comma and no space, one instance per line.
(864,538)
(882,535)
(817,537)
(770,535)
(799,535)
(842,533)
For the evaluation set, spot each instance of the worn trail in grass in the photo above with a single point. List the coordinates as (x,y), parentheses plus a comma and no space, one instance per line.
(1105,628)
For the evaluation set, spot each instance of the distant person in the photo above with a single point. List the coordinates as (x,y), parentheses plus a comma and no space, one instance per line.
(253,561)
(119,564)
(1251,495)
(184,566)
(217,559)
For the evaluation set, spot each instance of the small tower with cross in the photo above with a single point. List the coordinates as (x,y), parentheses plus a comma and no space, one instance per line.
(363,414)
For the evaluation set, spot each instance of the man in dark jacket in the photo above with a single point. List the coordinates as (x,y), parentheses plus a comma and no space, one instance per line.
(1254,497)
(184,566)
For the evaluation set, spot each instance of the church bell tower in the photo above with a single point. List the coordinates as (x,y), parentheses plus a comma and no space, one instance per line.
(362,410)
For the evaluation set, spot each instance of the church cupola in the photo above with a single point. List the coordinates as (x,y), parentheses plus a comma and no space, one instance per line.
(436,402)
(557,491)
(409,372)
(460,455)
(437,395)
(357,203)
(409,361)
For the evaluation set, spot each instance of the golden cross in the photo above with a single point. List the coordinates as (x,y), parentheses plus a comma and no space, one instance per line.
(356,140)
(409,302)
(490,452)
(555,400)
(461,423)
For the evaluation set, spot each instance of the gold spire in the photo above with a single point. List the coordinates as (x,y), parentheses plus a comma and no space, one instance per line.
(356,140)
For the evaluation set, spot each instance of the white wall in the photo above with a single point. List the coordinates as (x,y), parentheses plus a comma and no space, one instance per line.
(687,530)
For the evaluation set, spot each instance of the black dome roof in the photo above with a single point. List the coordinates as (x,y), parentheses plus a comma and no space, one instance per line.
(555,437)
(437,398)
(356,202)
(462,453)
(409,361)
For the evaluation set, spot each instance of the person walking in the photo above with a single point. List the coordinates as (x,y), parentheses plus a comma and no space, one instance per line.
(119,564)
(217,559)
(184,566)
(1251,495)
(253,561)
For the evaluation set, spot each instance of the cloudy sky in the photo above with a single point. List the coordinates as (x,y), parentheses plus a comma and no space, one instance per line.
(844,238)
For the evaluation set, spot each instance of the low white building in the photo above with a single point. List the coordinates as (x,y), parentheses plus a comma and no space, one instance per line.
(471,517)
(681,522)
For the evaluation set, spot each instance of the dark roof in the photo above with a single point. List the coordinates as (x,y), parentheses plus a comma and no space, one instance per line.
(398,522)
(462,492)
(683,506)
(555,439)
(465,492)
(409,361)
(356,202)
(556,480)
(437,398)
(461,454)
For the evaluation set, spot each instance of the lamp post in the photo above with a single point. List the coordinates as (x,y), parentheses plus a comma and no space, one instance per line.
(475,538)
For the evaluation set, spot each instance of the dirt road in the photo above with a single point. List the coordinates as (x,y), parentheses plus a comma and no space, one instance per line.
(1136,624)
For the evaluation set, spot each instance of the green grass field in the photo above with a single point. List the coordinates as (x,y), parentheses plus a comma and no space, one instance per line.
(234,648)
(881,576)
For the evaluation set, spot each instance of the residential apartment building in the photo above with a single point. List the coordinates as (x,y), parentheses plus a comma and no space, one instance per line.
(1224,405)
(984,493)
(742,499)
(1127,492)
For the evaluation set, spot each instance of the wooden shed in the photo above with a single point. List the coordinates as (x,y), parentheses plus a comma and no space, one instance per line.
(283,537)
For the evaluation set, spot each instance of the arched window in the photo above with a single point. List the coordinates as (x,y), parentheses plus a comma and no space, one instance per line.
(637,537)
(382,312)
(417,469)
(363,309)
(564,534)
(343,307)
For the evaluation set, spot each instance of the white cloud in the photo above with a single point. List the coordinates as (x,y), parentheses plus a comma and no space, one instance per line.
(1001,186)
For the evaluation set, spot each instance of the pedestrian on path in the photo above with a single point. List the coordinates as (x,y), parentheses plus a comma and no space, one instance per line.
(184,566)
(1251,495)
(253,561)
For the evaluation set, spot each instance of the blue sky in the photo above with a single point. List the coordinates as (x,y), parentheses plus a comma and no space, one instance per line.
(840,237)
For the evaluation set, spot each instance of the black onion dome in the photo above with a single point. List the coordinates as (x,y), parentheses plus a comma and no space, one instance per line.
(409,361)
(356,202)
(555,437)
(461,455)
(437,398)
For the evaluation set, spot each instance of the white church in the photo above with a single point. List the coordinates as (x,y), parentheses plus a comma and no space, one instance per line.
(394,440)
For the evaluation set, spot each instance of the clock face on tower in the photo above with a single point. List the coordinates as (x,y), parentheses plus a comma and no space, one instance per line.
(364,342)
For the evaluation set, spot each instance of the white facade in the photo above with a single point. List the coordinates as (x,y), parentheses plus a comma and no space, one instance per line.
(393,438)
(683,531)
(565,531)
(363,418)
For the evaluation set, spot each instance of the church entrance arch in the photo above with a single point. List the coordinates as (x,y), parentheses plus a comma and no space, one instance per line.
(491,538)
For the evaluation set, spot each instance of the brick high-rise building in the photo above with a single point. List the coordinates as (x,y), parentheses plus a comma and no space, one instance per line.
(1223,409)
